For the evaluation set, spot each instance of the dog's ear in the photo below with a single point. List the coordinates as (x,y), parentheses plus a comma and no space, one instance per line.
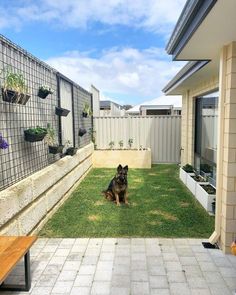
(119,167)
(126,168)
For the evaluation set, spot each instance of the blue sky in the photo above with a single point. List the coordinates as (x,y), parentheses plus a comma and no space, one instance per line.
(116,45)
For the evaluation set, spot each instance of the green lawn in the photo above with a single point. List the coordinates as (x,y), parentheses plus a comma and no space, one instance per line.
(160,206)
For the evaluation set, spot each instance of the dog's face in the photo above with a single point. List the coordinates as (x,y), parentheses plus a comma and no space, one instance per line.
(122,173)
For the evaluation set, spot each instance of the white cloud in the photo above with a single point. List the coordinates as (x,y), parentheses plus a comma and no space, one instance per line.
(154,15)
(127,71)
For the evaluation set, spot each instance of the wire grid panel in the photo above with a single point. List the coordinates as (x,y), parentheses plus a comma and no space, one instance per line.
(160,133)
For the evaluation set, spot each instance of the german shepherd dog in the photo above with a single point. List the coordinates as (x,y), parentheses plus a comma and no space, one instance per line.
(117,189)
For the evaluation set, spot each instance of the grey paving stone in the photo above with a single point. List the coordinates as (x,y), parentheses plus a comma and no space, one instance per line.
(80,291)
(152,260)
(158,282)
(62,287)
(207,266)
(138,249)
(195,283)
(228,272)
(139,276)
(219,289)
(203,257)
(71,265)
(83,281)
(179,289)
(188,261)
(173,266)
(121,281)
(160,292)
(101,288)
(122,260)
(103,275)
(121,269)
(52,270)
(138,265)
(87,269)
(170,257)
(89,260)
(137,241)
(46,280)
(119,291)
(138,257)
(176,277)
(156,270)
(200,292)
(213,277)
(41,290)
(67,275)
(105,265)
(140,288)
(107,256)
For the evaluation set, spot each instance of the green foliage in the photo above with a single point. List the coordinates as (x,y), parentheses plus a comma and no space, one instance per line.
(130,142)
(188,168)
(87,109)
(121,143)
(159,206)
(205,168)
(37,130)
(111,144)
(14,81)
(50,137)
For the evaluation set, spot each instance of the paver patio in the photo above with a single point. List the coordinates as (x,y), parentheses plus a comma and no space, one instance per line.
(127,266)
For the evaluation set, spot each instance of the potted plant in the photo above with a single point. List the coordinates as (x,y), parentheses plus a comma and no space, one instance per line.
(53,146)
(61,112)
(121,144)
(35,134)
(111,144)
(206,194)
(193,180)
(130,142)
(82,131)
(205,170)
(70,151)
(184,171)
(44,91)
(87,110)
(14,88)
(3,143)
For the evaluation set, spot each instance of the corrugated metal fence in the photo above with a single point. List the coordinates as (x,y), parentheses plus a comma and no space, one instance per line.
(160,133)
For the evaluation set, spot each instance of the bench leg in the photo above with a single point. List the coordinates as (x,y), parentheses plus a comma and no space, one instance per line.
(26,287)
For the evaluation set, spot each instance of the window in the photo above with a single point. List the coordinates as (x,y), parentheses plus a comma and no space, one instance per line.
(206,121)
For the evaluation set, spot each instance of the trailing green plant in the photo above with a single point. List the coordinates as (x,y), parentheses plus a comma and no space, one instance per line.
(111,144)
(87,110)
(37,130)
(188,168)
(92,133)
(130,142)
(46,88)
(121,144)
(50,137)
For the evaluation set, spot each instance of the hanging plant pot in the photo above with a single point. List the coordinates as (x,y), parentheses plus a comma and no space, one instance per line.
(61,112)
(84,114)
(82,131)
(55,149)
(71,151)
(23,98)
(9,95)
(43,93)
(33,137)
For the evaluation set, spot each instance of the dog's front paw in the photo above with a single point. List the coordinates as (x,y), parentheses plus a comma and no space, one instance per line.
(126,203)
(118,204)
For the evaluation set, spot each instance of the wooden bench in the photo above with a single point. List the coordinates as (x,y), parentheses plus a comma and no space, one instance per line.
(12,249)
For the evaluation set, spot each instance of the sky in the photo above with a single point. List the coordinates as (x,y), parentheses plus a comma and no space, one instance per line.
(116,45)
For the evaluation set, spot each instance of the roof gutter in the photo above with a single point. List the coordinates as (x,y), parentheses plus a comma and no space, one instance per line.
(192,16)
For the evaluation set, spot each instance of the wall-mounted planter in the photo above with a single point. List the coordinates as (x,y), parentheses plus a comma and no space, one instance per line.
(203,197)
(34,137)
(43,93)
(71,151)
(55,149)
(82,131)
(61,112)
(84,114)
(14,97)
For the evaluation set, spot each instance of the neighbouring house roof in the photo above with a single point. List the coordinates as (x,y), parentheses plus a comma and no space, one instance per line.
(157,103)
(106,104)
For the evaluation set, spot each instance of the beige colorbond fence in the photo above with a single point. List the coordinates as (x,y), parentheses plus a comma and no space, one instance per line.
(160,133)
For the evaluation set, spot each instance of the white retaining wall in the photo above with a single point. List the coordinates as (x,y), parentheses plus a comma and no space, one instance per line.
(27,203)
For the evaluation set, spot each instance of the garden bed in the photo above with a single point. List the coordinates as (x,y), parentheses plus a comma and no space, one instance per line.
(159,206)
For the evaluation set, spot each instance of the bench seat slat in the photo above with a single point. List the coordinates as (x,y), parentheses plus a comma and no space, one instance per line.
(12,249)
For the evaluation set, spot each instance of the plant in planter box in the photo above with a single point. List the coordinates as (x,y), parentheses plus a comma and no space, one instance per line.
(205,170)
(185,172)
(130,142)
(53,146)
(111,144)
(206,194)
(14,88)
(44,91)
(121,144)
(188,168)
(70,150)
(3,143)
(35,134)
(87,110)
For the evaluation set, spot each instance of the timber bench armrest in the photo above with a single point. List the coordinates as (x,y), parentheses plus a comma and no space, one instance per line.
(12,249)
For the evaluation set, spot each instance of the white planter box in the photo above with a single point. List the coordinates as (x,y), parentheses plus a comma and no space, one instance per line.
(183,175)
(191,183)
(204,198)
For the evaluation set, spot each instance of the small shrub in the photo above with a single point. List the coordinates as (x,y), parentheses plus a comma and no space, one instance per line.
(121,144)
(130,142)
(111,144)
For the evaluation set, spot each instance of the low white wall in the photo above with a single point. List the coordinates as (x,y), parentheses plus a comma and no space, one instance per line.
(27,203)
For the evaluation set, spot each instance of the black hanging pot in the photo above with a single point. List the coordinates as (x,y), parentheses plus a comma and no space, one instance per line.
(71,151)
(9,95)
(34,137)
(55,149)
(61,112)
(85,115)
(43,93)
(82,131)
(23,98)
